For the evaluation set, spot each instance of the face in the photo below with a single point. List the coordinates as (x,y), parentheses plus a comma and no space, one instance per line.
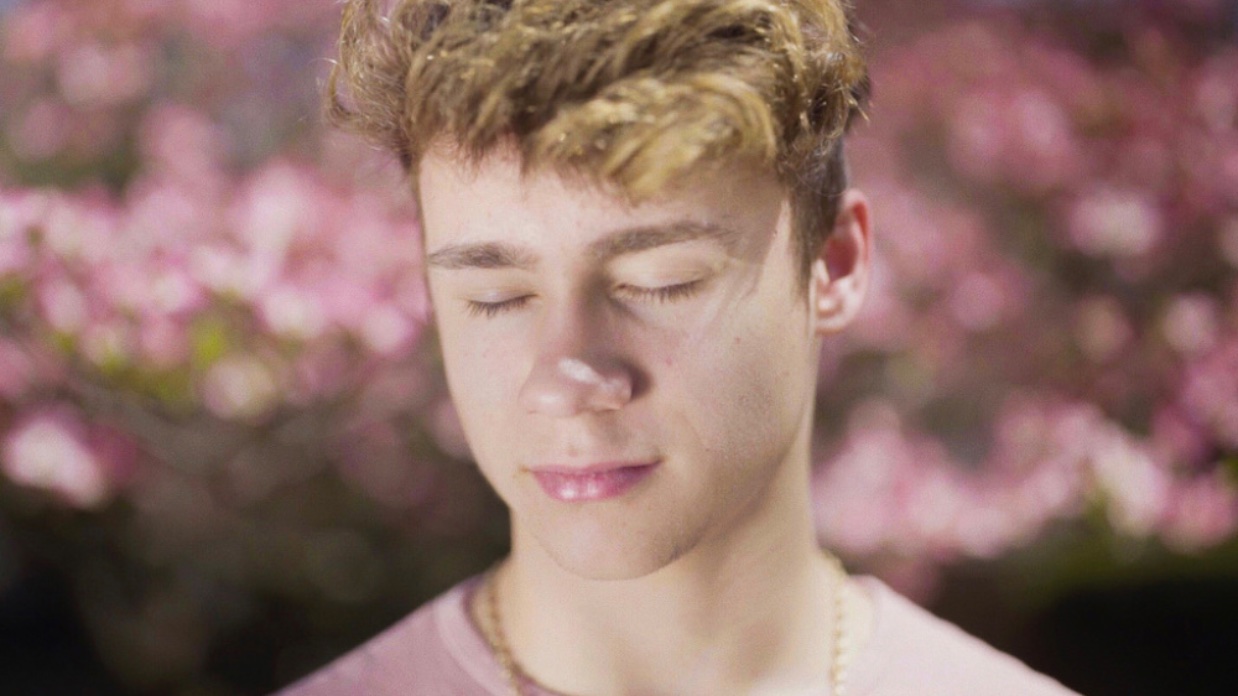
(665,347)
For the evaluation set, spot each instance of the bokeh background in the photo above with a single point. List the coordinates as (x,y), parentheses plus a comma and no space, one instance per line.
(226,450)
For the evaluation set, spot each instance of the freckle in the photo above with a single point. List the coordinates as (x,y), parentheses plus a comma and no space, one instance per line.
(737,340)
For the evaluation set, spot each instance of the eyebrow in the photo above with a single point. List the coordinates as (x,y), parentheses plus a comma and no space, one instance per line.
(482,255)
(626,241)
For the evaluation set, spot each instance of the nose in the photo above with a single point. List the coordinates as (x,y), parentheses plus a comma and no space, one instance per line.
(576,370)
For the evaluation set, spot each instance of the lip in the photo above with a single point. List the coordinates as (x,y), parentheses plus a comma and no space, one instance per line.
(590,483)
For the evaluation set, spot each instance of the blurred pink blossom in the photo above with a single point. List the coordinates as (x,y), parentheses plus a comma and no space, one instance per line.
(15,252)
(1101,327)
(1051,325)
(389,331)
(183,144)
(49,450)
(1135,488)
(1227,240)
(1191,323)
(42,132)
(92,75)
(1025,136)
(1216,97)
(979,301)
(106,343)
(63,305)
(1113,223)
(320,371)
(16,371)
(293,313)
(1178,439)
(1204,512)
(32,30)
(240,387)
(1209,391)
(163,342)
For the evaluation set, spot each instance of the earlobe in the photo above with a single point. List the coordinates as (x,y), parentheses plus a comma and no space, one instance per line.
(840,272)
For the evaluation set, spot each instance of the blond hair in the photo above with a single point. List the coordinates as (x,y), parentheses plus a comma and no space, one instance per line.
(632,93)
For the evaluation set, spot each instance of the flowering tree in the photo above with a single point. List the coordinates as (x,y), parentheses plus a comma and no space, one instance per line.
(1053,334)
(211,321)
(215,365)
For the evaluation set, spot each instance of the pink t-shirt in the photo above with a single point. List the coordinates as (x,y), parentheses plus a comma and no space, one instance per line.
(438,650)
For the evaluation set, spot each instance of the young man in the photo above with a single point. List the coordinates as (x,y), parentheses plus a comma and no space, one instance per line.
(637,234)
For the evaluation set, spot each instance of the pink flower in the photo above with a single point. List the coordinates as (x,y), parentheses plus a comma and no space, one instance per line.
(107,343)
(182,143)
(978,138)
(49,450)
(91,75)
(388,331)
(1114,223)
(979,301)
(1191,323)
(1178,440)
(171,290)
(1215,96)
(16,371)
(1101,328)
(1134,487)
(163,342)
(1204,512)
(291,312)
(1208,388)
(32,30)
(240,387)
(15,252)
(63,306)
(42,132)
(320,371)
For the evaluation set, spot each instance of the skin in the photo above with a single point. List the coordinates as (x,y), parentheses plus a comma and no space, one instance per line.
(576,329)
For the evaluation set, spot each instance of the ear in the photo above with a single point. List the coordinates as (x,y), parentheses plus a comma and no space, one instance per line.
(840,272)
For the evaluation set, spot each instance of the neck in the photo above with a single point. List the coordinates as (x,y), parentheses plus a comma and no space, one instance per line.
(748,609)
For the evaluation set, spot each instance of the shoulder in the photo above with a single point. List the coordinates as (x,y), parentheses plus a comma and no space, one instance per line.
(910,651)
(434,650)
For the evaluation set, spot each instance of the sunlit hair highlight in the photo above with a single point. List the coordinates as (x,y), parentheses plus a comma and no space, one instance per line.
(630,93)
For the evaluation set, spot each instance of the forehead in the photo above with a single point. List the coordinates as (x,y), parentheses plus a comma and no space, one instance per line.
(496,197)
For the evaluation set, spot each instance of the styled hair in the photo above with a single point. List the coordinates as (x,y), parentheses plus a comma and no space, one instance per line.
(631,93)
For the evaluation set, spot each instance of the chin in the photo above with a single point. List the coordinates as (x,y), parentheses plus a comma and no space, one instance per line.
(614,553)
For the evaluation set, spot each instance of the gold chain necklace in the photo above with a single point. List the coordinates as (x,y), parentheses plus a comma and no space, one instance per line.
(841,649)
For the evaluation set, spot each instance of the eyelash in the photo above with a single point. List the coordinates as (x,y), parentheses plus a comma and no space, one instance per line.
(491,309)
(663,294)
(669,293)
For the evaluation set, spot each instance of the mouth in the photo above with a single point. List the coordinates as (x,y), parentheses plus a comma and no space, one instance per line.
(595,482)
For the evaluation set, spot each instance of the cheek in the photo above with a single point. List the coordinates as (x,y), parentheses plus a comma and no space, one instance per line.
(479,368)
(478,377)
(741,377)
(701,368)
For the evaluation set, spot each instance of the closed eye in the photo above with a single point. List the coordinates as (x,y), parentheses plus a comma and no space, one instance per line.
(491,309)
(666,293)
